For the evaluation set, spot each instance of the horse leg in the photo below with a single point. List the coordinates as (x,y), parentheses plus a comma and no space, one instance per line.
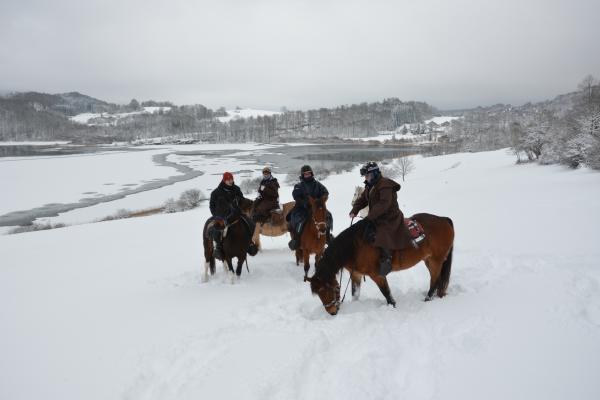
(306,255)
(240,264)
(435,268)
(382,283)
(355,286)
(256,236)
(298,256)
(230,265)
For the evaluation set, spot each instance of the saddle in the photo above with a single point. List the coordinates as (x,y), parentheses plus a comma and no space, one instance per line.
(277,216)
(416,231)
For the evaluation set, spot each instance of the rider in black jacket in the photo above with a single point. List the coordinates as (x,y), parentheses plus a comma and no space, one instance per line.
(308,186)
(225,203)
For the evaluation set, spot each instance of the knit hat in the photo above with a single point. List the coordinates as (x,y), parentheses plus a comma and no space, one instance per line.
(227,176)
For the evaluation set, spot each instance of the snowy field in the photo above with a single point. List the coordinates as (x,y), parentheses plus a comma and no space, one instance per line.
(116,310)
(29,182)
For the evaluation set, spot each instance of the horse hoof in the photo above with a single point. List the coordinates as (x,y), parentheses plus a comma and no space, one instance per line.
(428,298)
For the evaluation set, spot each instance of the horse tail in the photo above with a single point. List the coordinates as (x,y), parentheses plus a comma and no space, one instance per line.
(446,267)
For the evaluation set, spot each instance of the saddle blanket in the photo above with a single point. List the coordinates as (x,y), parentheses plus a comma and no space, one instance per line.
(417,233)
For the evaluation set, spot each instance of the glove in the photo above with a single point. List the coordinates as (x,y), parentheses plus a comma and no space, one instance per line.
(352,215)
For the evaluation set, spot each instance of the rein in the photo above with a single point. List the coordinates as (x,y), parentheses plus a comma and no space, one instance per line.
(342,273)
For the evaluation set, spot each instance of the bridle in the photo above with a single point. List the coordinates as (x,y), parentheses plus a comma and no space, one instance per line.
(336,295)
(318,226)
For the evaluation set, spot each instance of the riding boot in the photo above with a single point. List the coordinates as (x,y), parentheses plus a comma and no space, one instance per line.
(293,243)
(385,261)
(218,251)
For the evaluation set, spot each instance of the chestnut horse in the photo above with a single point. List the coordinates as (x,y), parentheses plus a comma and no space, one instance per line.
(350,250)
(314,234)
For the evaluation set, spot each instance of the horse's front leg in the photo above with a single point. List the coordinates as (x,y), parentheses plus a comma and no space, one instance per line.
(306,256)
(356,281)
(382,283)
(230,265)
(240,264)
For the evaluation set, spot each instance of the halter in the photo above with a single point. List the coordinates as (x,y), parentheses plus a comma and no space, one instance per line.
(318,226)
(336,295)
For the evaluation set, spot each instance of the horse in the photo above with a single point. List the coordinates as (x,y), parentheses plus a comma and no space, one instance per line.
(276,226)
(236,241)
(350,250)
(314,234)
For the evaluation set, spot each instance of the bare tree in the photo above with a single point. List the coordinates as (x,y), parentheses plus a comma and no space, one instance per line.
(587,85)
(406,166)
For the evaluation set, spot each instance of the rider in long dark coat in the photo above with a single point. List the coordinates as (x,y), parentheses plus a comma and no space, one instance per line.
(308,186)
(380,195)
(225,203)
(268,197)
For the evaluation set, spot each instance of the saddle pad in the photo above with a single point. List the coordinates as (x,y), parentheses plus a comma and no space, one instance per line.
(415,229)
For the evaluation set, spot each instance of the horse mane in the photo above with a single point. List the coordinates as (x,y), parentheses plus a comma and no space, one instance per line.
(340,251)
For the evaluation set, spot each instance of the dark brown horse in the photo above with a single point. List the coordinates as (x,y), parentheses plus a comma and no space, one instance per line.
(314,234)
(237,238)
(350,250)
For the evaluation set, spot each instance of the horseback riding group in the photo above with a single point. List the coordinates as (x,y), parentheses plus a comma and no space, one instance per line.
(383,241)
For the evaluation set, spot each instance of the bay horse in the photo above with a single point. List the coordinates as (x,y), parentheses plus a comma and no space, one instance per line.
(236,241)
(350,250)
(275,226)
(314,234)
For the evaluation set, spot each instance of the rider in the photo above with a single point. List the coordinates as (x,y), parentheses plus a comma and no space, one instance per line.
(308,186)
(225,203)
(268,197)
(387,219)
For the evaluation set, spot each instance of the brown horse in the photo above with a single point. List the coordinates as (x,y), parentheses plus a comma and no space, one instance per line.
(350,250)
(236,238)
(314,234)
(276,226)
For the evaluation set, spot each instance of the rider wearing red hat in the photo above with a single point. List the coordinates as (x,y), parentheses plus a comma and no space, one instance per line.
(225,203)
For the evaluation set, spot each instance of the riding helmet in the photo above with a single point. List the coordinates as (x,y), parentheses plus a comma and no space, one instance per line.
(371,166)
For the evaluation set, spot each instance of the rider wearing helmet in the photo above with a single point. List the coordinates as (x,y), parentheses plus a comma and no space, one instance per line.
(308,186)
(390,233)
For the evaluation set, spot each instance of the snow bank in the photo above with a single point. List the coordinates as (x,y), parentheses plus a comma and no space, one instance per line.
(117,310)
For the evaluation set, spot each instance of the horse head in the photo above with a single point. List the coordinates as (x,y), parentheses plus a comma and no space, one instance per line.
(319,213)
(327,290)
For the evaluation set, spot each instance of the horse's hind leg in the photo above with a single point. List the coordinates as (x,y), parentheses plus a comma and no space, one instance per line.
(435,268)
(382,283)
(298,256)
(355,286)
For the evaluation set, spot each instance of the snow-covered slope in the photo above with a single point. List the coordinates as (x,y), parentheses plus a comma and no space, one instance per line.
(85,118)
(116,310)
(246,113)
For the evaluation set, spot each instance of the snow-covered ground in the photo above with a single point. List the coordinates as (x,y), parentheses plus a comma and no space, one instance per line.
(441,120)
(34,143)
(246,113)
(28,182)
(116,309)
(85,118)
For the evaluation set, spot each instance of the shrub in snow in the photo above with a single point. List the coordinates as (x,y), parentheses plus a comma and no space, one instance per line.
(35,227)
(171,206)
(250,185)
(191,199)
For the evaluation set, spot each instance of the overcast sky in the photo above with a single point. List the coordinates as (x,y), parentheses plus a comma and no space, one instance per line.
(301,54)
